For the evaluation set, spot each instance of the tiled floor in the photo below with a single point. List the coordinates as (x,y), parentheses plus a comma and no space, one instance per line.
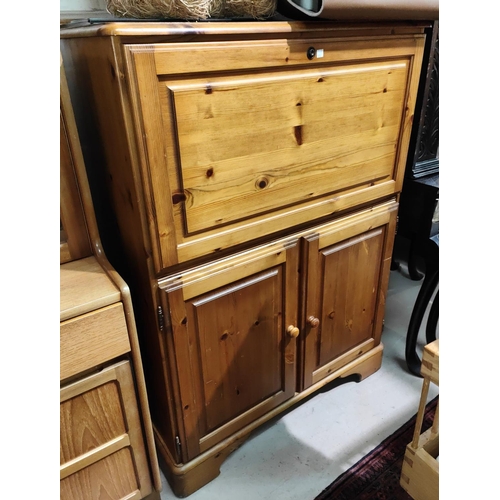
(298,455)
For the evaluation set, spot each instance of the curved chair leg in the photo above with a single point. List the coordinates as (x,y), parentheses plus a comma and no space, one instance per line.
(430,329)
(413,271)
(429,284)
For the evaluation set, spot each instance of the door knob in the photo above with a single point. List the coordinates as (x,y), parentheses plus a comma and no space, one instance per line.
(314,322)
(293,331)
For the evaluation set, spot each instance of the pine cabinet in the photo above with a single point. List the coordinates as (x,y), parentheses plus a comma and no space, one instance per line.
(247,178)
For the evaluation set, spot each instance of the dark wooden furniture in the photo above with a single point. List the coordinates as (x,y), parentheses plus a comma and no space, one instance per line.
(418,217)
(417,239)
(246,186)
(418,220)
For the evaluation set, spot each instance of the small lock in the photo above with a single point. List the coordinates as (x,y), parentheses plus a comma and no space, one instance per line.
(311,52)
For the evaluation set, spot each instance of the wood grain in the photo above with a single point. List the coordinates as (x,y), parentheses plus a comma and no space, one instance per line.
(92,339)
(111,477)
(85,287)
(101,440)
(224,137)
(91,284)
(344,268)
(294,154)
(75,243)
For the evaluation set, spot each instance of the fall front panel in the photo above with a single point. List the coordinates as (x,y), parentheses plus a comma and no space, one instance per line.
(262,142)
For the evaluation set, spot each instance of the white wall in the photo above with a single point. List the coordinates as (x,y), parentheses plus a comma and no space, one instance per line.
(83,5)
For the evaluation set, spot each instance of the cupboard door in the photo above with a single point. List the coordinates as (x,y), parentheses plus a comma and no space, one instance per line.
(348,265)
(234,326)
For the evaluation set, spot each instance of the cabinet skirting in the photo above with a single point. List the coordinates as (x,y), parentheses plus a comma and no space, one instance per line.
(185,479)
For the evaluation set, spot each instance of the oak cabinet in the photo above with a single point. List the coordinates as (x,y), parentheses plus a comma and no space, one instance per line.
(247,189)
(106,438)
(102,448)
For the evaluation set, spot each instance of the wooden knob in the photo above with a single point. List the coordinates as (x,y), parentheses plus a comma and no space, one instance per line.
(293,331)
(314,322)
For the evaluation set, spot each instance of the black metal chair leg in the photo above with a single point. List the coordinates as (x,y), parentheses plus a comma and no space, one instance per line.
(429,284)
(432,320)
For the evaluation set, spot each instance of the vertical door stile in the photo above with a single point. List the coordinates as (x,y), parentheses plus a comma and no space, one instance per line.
(311,307)
(291,317)
(183,362)
(385,271)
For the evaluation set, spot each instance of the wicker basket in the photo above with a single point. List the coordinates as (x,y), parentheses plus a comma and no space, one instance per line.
(192,9)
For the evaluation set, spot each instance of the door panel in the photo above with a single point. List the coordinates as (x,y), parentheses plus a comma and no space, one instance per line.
(262,142)
(346,276)
(239,328)
(233,355)
(350,273)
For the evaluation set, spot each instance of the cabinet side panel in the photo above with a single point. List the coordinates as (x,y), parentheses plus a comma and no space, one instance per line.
(385,272)
(75,242)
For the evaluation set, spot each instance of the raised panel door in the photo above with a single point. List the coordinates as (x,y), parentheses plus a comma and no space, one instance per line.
(235,359)
(347,273)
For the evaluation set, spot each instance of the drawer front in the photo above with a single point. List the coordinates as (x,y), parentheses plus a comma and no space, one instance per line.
(112,477)
(246,139)
(91,339)
(101,443)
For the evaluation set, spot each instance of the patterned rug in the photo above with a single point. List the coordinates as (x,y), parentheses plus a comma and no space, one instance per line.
(376,476)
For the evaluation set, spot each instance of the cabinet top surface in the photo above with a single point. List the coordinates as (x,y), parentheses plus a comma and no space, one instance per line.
(176,28)
(85,287)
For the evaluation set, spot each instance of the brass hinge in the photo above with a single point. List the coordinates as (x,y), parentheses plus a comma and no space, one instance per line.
(161,317)
(178,446)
